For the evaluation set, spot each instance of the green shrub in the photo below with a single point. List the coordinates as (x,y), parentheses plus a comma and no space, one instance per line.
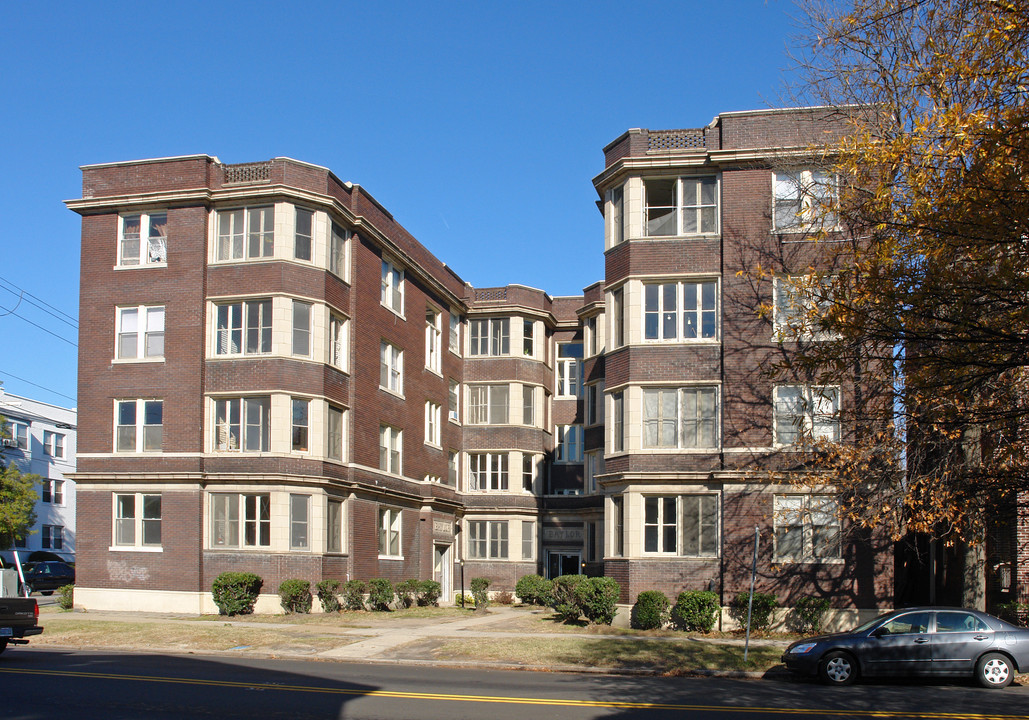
(809,614)
(328,595)
(695,611)
(295,596)
(66,597)
(562,597)
(429,592)
(353,594)
(1014,612)
(761,616)
(534,590)
(650,611)
(462,600)
(480,592)
(407,591)
(236,592)
(597,598)
(380,594)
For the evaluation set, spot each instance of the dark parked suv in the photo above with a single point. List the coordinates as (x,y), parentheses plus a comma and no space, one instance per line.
(47,576)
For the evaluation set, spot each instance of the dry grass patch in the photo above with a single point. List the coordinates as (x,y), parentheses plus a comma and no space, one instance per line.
(181,636)
(347,618)
(658,654)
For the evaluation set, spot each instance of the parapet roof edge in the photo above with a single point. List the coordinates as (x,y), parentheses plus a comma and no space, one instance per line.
(144,161)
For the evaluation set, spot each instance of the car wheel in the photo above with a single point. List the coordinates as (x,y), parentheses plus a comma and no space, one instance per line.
(46,592)
(994,671)
(3,645)
(837,668)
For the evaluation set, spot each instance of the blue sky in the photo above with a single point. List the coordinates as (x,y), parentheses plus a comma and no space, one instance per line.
(479,125)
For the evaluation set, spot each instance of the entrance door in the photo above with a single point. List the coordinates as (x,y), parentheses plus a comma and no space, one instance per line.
(443,571)
(563,564)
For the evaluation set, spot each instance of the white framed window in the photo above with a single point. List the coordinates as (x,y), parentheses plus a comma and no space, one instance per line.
(339,244)
(390,449)
(803,199)
(806,412)
(303,234)
(52,491)
(242,424)
(798,302)
(595,404)
(453,468)
(143,239)
(335,429)
(807,528)
(684,525)
(528,472)
(334,526)
(616,216)
(455,333)
(391,368)
(617,526)
(301,328)
(432,423)
(392,292)
(17,435)
(681,206)
(680,311)
(300,425)
(245,233)
(389,532)
(137,520)
(240,520)
(684,417)
(528,338)
(594,466)
(139,426)
(454,401)
(433,340)
(299,522)
(53,444)
(528,539)
(489,471)
(339,329)
(617,422)
(487,539)
(592,338)
(617,318)
(243,328)
(528,405)
(140,332)
(51,537)
(569,363)
(490,336)
(569,444)
(488,405)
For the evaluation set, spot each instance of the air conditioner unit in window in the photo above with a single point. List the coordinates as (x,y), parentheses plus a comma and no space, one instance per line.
(10,442)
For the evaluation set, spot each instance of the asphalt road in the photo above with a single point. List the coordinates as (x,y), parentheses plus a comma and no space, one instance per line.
(37,683)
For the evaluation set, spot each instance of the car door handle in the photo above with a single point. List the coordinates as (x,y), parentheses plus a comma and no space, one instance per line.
(981,637)
(921,640)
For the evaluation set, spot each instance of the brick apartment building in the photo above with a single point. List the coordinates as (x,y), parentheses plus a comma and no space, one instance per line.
(276,377)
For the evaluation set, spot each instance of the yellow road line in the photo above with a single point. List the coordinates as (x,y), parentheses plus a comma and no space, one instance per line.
(614,704)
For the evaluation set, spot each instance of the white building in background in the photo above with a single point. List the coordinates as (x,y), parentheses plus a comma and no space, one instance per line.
(41,440)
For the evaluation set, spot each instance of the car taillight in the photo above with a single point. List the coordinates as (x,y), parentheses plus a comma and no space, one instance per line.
(35,612)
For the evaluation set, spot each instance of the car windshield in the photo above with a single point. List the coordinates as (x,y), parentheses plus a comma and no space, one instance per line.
(869,624)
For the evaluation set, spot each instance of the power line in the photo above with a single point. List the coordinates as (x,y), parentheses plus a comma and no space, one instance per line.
(48,309)
(4,372)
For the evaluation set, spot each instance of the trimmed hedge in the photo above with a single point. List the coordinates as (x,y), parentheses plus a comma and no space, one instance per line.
(809,613)
(66,597)
(235,593)
(353,594)
(429,592)
(761,616)
(407,592)
(597,598)
(534,590)
(650,611)
(562,597)
(480,592)
(380,594)
(295,596)
(696,611)
(328,595)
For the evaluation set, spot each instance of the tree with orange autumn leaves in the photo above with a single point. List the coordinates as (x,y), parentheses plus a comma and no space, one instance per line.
(920,269)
